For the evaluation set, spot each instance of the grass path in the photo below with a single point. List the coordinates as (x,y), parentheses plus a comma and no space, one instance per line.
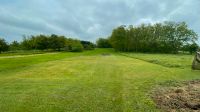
(80,83)
(21,56)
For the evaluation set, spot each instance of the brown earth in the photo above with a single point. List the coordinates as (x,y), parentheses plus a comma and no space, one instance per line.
(184,98)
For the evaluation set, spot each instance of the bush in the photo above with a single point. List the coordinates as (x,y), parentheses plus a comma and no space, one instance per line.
(103,43)
(87,45)
(76,47)
(3,45)
(51,43)
(192,48)
(14,46)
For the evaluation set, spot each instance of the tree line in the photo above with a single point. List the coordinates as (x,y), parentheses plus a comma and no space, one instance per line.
(166,37)
(47,42)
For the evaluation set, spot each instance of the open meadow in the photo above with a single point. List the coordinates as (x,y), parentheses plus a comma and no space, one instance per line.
(100,80)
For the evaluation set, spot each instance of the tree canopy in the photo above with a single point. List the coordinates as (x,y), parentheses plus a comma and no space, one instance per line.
(48,43)
(52,42)
(103,43)
(166,37)
(3,45)
(87,45)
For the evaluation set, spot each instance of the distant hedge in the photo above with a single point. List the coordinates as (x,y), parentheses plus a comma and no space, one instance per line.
(47,42)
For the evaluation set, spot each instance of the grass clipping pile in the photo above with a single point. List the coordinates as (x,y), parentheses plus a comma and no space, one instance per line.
(182,98)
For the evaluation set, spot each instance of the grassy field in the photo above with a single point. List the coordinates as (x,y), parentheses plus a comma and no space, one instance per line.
(166,60)
(88,81)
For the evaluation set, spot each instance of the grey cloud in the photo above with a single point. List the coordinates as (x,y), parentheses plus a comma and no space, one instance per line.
(90,19)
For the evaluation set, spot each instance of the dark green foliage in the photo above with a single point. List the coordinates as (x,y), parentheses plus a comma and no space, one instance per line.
(3,45)
(118,38)
(192,48)
(27,43)
(48,43)
(87,45)
(52,43)
(14,46)
(103,43)
(74,45)
(42,42)
(167,37)
(56,42)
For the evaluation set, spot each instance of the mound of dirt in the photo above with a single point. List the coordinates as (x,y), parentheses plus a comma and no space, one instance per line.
(185,98)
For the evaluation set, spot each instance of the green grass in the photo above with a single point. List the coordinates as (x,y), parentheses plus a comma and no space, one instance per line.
(86,82)
(167,60)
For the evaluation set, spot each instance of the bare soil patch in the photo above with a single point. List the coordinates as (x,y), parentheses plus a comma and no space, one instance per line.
(183,98)
(106,54)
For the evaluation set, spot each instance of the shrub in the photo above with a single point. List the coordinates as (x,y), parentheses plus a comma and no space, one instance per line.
(76,47)
(103,43)
(3,45)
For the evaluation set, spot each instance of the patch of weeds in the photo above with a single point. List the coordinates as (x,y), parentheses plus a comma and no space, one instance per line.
(154,61)
(182,98)
(164,64)
(171,83)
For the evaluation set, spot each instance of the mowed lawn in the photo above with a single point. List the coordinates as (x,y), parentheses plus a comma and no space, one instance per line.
(92,81)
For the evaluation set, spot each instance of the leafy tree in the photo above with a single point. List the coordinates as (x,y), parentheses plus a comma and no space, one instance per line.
(74,45)
(57,42)
(14,46)
(118,38)
(27,43)
(103,43)
(87,45)
(192,48)
(41,42)
(167,37)
(52,42)
(3,45)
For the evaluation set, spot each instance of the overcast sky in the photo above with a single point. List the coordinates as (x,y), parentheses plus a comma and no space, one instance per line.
(90,19)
